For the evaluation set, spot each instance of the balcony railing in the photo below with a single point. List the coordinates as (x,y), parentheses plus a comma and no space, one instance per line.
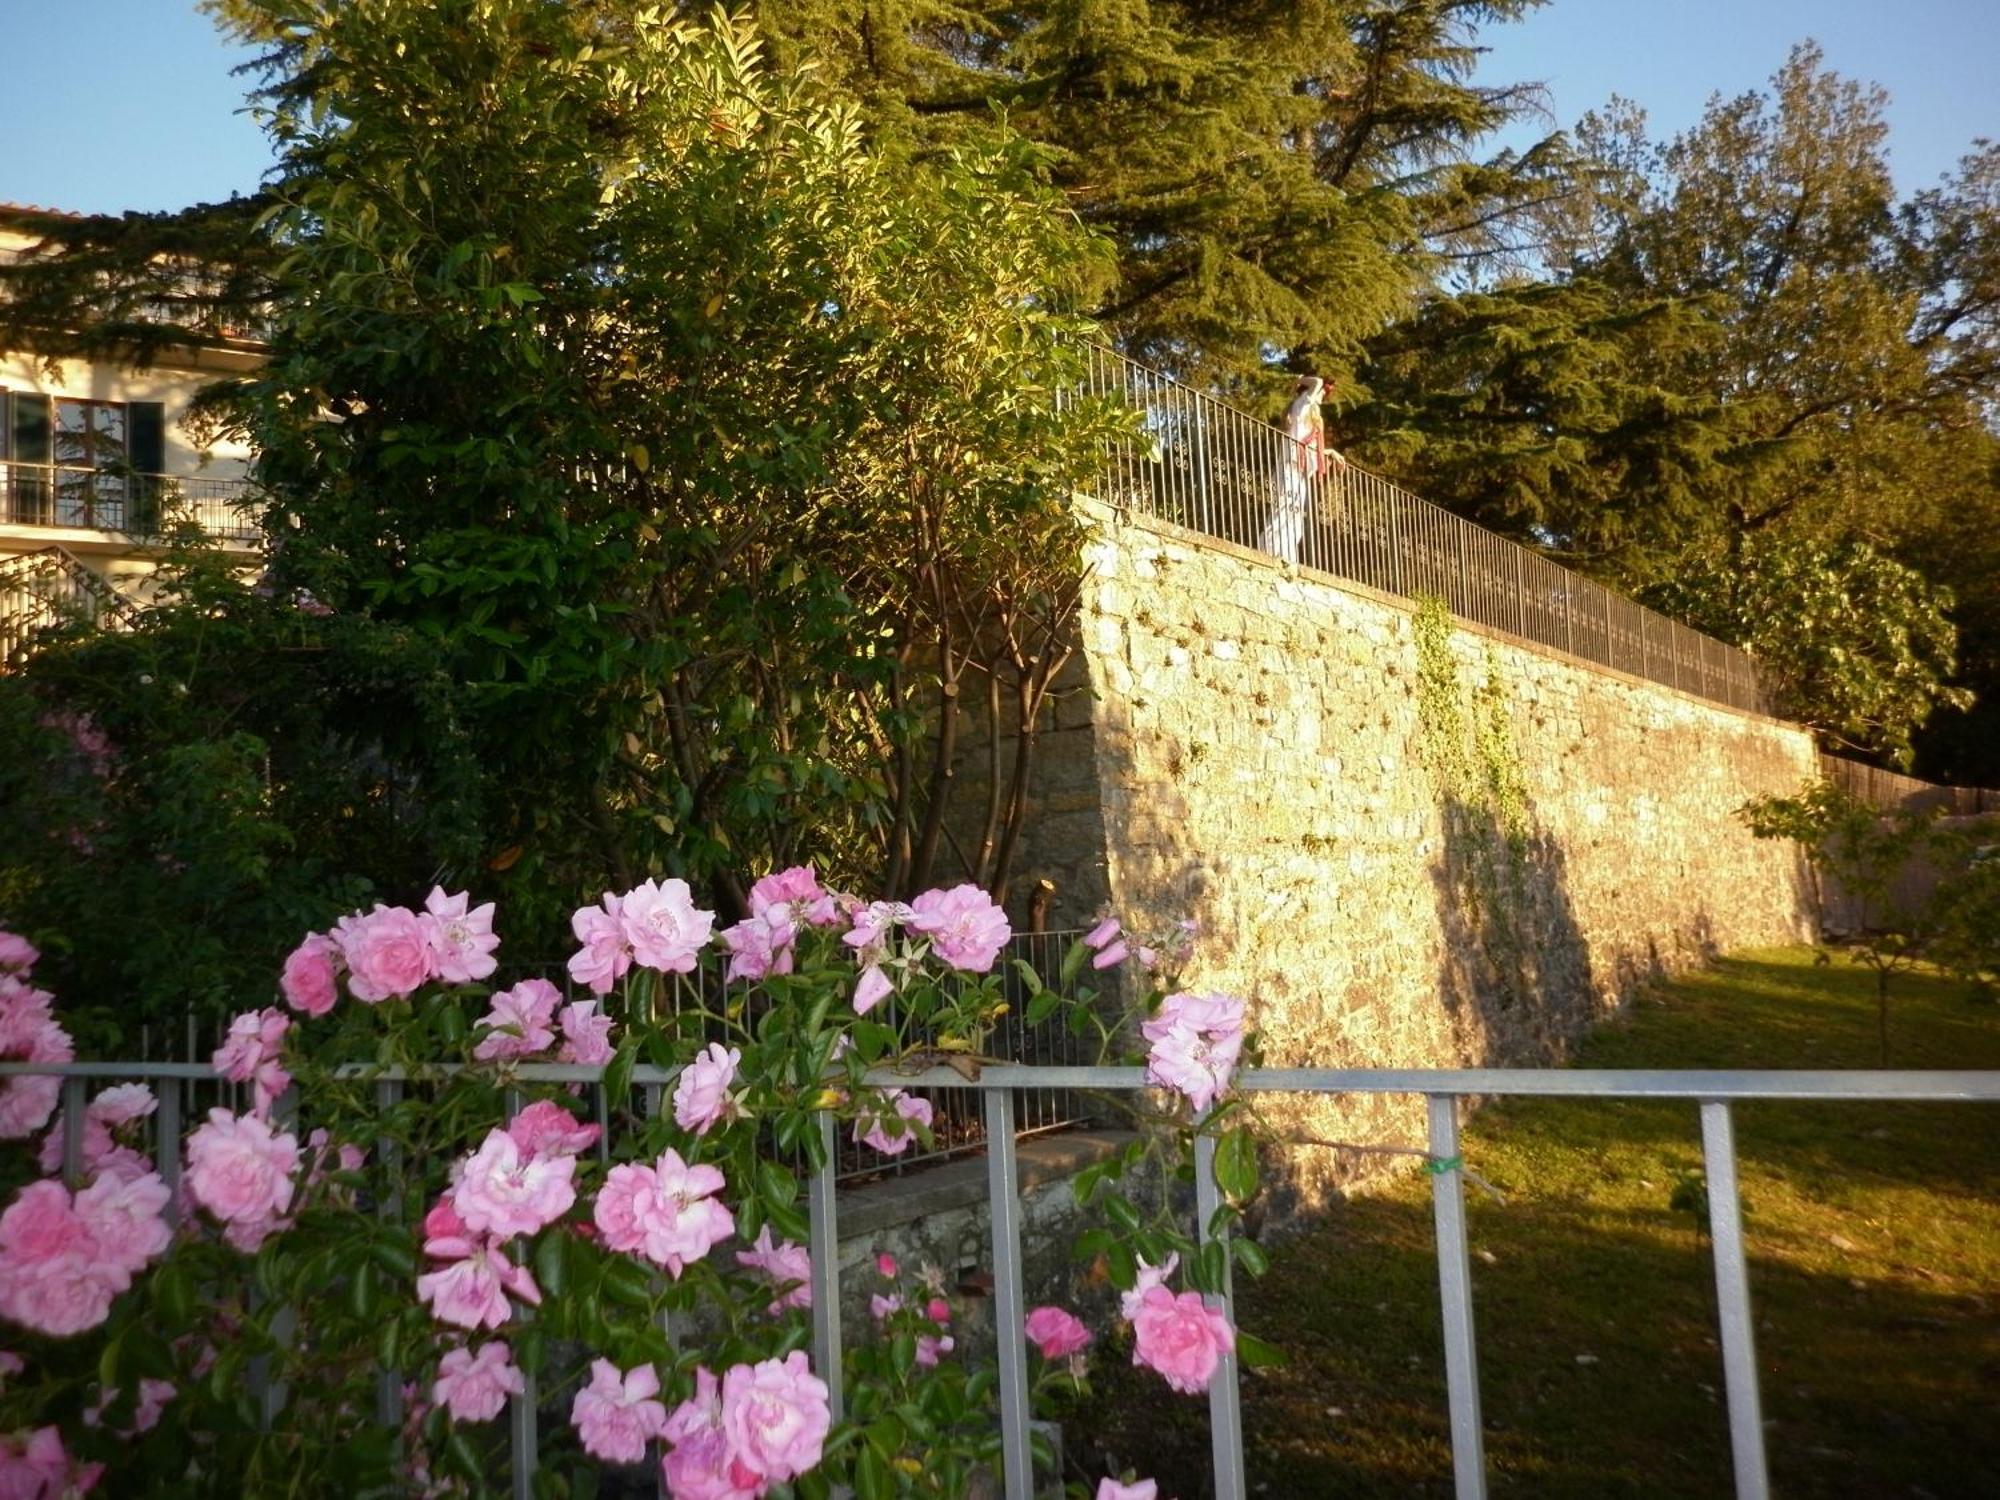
(134,505)
(1201,463)
(183,1088)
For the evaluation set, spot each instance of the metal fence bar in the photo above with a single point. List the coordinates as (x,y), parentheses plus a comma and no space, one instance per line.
(1017,1459)
(523,1429)
(1225,1398)
(1732,1297)
(1461,1358)
(75,1103)
(823,1232)
(167,1147)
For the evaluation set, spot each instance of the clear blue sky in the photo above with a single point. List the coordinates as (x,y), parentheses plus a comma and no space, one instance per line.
(115,104)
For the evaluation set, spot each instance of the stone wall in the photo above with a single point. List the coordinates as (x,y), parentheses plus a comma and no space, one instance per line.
(1247,744)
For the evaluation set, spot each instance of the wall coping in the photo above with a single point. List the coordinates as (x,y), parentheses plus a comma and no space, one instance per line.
(873,1207)
(1104,510)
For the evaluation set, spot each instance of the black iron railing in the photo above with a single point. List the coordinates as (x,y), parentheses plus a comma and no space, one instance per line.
(136,505)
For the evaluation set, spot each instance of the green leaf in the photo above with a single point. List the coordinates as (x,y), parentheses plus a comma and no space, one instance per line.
(1236,1163)
(1254,1354)
(775,1185)
(552,1261)
(1250,1256)
(618,1074)
(361,1290)
(873,1478)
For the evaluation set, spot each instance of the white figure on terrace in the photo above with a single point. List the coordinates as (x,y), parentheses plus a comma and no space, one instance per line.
(1306,460)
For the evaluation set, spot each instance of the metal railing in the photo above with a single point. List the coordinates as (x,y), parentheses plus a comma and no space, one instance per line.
(46,589)
(1203,464)
(1443,1090)
(136,505)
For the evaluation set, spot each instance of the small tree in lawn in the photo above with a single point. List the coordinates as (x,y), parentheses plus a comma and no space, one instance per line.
(1864,849)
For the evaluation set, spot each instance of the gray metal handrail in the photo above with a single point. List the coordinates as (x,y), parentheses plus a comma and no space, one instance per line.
(1443,1089)
(1206,465)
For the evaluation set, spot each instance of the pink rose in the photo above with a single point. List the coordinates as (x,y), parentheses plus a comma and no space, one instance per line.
(702,1465)
(1106,957)
(29,1033)
(1138,1489)
(545,1128)
(701,1094)
(606,953)
(881,1306)
(760,946)
(471,1292)
(475,1387)
(387,952)
(239,1170)
(53,1275)
(586,1034)
(665,928)
(1057,1332)
(871,989)
(1102,935)
(152,1401)
(518,1022)
(798,894)
(1180,1337)
(1149,1277)
(891,1130)
(787,1264)
(1196,1040)
(504,1192)
(666,1212)
(965,928)
(309,978)
(775,1416)
(885,1266)
(17,954)
(126,1219)
(871,927)
(618,1415)
(40,1468)
(112,1110)
(461,941)
(251,1054)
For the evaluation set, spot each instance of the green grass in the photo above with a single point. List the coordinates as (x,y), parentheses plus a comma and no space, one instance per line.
(1874,1237)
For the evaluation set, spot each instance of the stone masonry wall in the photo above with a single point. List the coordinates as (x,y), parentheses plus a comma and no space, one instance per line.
(1251,751)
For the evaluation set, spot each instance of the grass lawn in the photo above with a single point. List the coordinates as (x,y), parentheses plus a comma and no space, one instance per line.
(1874,1235)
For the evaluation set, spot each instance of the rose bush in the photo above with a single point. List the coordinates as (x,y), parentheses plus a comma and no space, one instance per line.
(404,1231)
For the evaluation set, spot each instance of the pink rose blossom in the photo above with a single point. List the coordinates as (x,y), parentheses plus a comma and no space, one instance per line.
(1057,1332)
(787,1264)
(701,1094)
(1138,1489)
(1102,935)
(518,1022)
(471,1292)
(239,1170)
(586,1034)
(1115,953)
(775,1416)
(461,941)
(152,1401)
(251,1054)
(881,1306)
(121,1104)
(759,946)
(932,1347)
(872,925)
(666,929)
(890,1132)
(617,1415)
(17,954)
(701,1464)
(51,1278)
(606,953)
(965,928)
(885,1266)
(475,1387)
(40,1468)
(938,1311)
(545,1128)
(1149,1277)
(1196,1040)
(29,1033)
(666,1212)
(798,893)
(871,989)
(504,1192)
(126,1219)
(112,1110)
(1180,1337)
(387,952)
(309,980)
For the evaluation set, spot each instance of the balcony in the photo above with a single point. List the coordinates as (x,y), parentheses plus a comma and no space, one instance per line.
(136,506)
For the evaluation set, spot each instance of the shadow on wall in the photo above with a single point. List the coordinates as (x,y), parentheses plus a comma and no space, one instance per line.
(1515,979)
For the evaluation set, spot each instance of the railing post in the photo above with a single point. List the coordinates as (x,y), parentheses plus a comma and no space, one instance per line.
(1732,1299)
(524,1436)
(1461,1360)
(1225,1404)
(75,1101)
(1017,1458)
(167,1145)
(824,1235)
